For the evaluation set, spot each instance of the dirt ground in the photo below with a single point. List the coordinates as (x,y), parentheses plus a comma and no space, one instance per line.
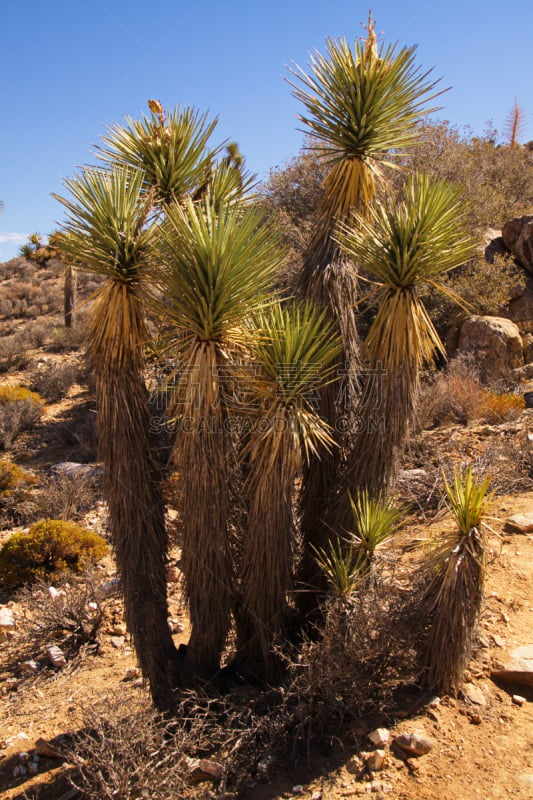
(481,749)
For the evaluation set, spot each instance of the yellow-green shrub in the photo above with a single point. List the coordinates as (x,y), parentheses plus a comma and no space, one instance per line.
(49,548)
(19,409)
(494,407)
(13,477)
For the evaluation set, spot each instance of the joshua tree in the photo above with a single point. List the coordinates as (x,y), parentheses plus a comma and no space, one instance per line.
(294,351)
(362,106)
(108,233)
(215,266)
(401,246)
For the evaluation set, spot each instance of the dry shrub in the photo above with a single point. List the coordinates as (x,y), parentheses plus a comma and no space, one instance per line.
(364,653)
(68,496)
(450,396)
(19,410)
(14,352)
(69,617)
(53,381)
(50,548)
(126,751)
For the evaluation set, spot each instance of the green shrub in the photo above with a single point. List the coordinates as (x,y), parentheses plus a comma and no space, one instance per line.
(19,410)
(49,548)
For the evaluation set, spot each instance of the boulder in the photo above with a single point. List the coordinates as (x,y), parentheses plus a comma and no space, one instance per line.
(495,342)
(521,309)
(517,235)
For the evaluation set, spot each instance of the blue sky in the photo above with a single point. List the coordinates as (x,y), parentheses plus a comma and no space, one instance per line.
(70,67)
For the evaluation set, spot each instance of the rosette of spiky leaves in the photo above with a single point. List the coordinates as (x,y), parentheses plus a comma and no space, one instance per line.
(455,577)
(108,233)
(375,521)
(341,564)
(171,148)
(362,107)
(401,247)
(215,266)
(293,349)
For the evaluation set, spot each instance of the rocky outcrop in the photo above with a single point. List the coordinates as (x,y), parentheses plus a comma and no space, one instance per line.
(521,309)
(496,343)
(517,235)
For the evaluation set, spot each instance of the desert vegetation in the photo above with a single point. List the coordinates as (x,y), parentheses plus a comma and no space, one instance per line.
(263,364)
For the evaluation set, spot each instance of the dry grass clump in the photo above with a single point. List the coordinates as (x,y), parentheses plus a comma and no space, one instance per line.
(16,501)
(495,408)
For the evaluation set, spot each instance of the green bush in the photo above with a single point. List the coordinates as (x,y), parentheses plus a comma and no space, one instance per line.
(49,548)
(19,410)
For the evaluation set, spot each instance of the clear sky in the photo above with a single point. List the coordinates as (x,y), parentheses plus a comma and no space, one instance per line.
(68,68)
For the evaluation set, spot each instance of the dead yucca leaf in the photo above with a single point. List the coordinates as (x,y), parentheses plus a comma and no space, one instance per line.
(455,570)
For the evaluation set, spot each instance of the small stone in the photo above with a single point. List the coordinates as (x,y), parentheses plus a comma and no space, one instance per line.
(518,700)
(316,796)
(379,737)
(117,641)
(119,630)
(175,625)
(434,702)
(55,593)
(524,522)
(498,641)
(132,673)
(376,760)
(475,694)
(202,769)
(7,623)
(33,767)
(56,656)
(416,743)
(29,666)
(24,757)
(298,789)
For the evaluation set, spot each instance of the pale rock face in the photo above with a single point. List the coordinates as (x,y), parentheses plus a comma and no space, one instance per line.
(517,235)
(495,342)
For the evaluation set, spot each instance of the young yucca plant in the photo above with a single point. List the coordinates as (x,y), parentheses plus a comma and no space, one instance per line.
(375,521)
(361,105)
(293,349)
(454,592)
(342,567)
(215,265)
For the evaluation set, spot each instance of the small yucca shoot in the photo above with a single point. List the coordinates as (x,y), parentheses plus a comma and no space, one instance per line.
(454,592)
(341,566)
(375,521)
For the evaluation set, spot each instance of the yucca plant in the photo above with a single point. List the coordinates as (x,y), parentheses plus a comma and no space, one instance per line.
(402,247)
(341,565)
(293,349)
(454,589)
(170,148)
(362,105)
(375,521)
(215,266)
(109,234)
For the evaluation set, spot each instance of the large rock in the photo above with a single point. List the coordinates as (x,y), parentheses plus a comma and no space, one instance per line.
(495,342)
(521,309)
(517,235)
